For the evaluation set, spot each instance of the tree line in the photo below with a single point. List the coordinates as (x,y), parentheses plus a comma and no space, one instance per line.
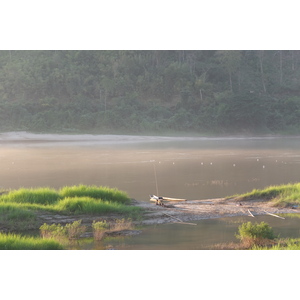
(159,91)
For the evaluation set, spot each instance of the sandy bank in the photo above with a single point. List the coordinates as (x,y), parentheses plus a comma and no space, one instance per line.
(206,209)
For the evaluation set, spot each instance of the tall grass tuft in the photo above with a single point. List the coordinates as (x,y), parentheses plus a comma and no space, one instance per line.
(79,205)
(281,195)
(43,196)
(104,193)
(18,242)
(11,211)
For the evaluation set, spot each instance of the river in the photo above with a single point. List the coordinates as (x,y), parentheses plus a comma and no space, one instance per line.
(181,167)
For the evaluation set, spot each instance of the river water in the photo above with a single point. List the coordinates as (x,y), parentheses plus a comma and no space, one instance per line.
(191,168)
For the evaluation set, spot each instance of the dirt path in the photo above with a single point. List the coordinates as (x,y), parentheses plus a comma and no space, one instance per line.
(189,211)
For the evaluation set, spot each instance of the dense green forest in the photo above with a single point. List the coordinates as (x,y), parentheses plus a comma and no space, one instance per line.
(201,92)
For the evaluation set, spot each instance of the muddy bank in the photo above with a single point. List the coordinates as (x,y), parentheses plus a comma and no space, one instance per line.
(194,210)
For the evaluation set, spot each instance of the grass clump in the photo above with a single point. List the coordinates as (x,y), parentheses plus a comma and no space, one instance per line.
(104,193)
(87,205)
(283,244)
(18,242)
(255,234)
(43,196)
(14,216)
(99,229)
(281,195)
(13,211)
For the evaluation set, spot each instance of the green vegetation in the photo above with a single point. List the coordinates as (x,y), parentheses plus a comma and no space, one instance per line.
(282,244)
(150,91)
(19,208)
(99,229)
(255,234)
(56,231)
(259,236)
(282,195)
(43,196)
(87,205)
(73,231)
(104,193)
(18,242)
(75,199)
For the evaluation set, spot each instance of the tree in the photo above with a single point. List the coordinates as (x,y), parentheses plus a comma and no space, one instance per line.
(231,60)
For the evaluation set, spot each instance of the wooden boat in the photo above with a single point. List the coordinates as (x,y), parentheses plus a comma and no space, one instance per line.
(156,199)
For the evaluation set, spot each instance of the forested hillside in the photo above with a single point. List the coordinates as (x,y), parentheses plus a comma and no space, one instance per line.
(205,92)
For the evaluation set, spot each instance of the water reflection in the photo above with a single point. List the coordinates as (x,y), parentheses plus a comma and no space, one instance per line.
(204,236)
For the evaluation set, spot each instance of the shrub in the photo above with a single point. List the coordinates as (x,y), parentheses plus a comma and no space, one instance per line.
(99,229)
(75,230)
(71,231)
(122,224)
(255,234)
(55,231)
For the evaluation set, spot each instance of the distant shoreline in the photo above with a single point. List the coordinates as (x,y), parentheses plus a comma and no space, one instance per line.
(107,139)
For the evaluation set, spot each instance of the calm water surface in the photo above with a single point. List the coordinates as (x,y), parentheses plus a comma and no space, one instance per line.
(197,168)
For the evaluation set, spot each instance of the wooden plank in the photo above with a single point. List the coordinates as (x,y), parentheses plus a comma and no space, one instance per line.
(274,215)
(173,199)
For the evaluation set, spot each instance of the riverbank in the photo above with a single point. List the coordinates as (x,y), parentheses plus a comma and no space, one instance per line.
(24,137)
(194,210)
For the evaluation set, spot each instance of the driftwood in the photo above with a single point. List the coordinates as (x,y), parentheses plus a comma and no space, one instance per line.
(251,215)
(274,215)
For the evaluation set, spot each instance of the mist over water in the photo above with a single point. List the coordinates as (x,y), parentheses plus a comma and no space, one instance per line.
(191,168)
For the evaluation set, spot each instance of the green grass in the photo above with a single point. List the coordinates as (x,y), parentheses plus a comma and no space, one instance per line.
(19,208)
(43,196)
(18,242)
(15,211)
(104,193)
(282,244)
(281,195)
(87,205)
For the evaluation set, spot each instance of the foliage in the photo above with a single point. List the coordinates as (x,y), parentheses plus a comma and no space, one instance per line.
(87,205)
(282,244)
(281,195)
(19,208)
(145,91)
(99,229)
(255,234)
(18,242)
(36,196)
(75,230)
(95,192)
(56,231)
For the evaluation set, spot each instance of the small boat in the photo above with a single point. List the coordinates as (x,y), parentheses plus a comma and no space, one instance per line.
(156,198)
